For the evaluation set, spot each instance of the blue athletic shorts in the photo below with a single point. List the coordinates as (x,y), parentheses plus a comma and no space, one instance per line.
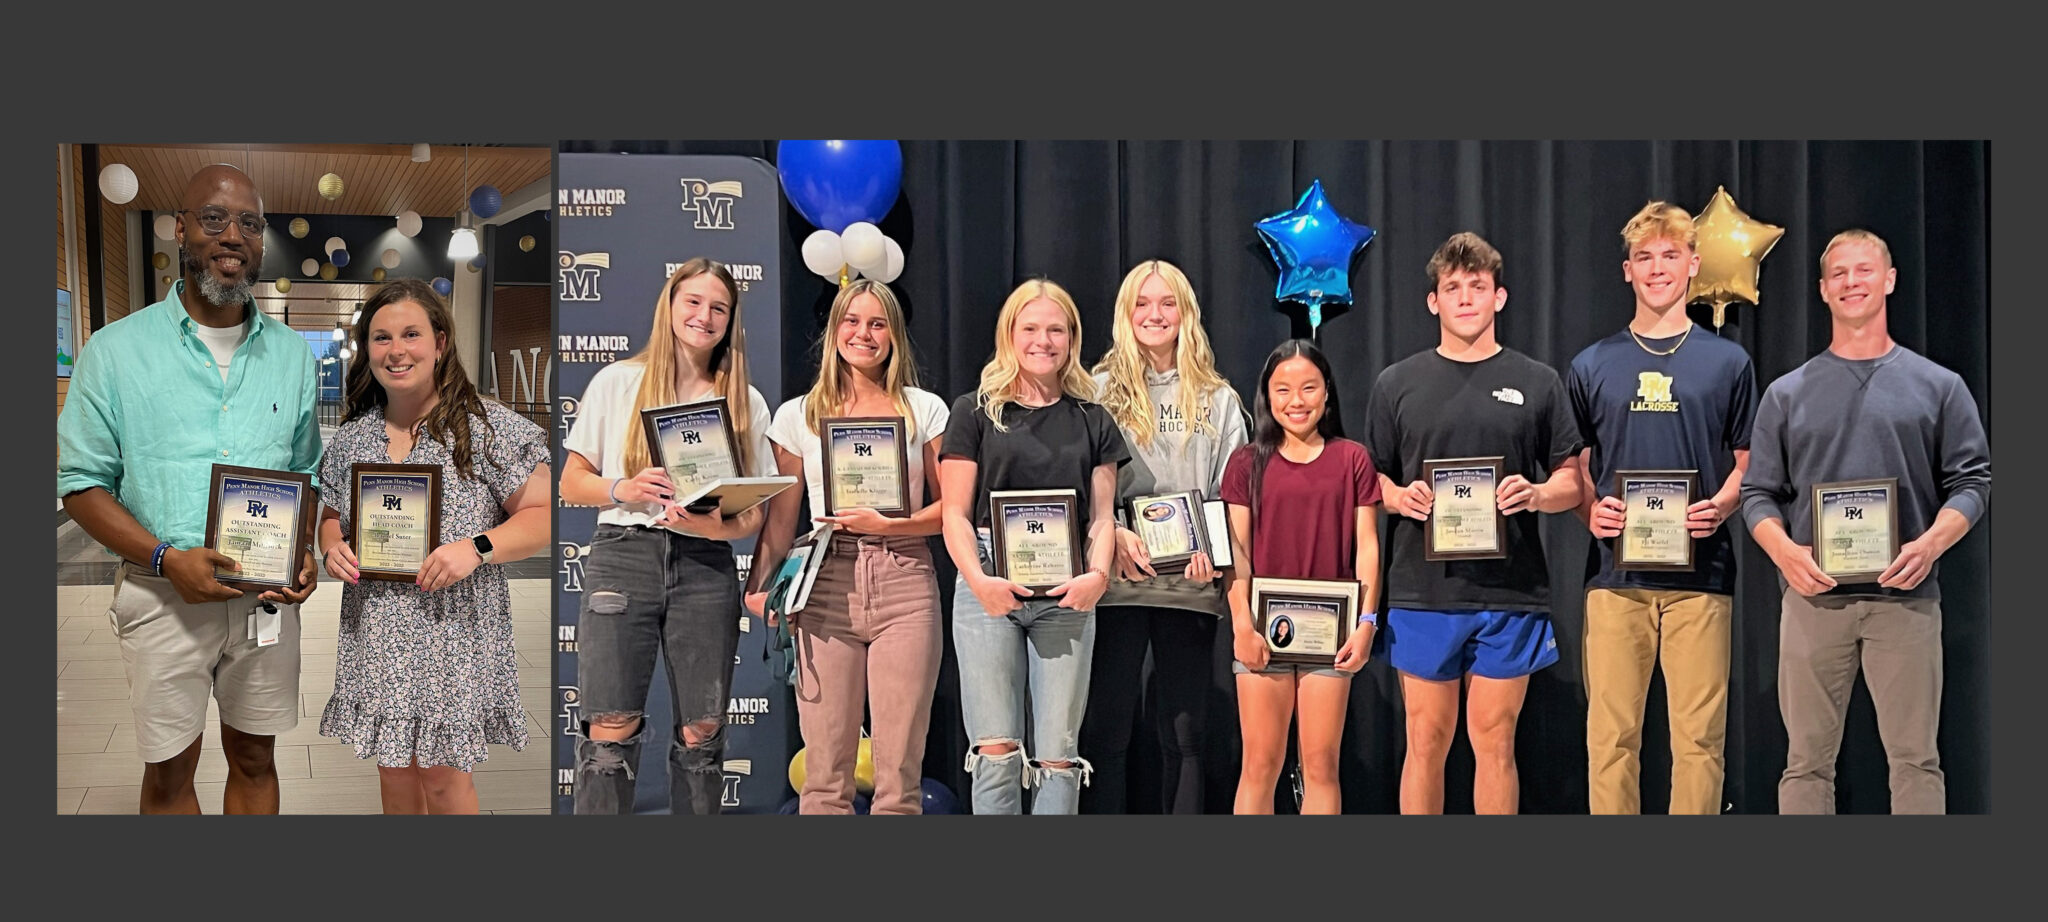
(1441,645)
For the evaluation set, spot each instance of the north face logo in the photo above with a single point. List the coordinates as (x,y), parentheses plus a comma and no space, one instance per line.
(1508,395)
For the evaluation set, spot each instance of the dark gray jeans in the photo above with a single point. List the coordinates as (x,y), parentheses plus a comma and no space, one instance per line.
(648,589)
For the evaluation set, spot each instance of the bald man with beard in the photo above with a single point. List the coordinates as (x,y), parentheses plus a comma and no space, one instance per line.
(157,398)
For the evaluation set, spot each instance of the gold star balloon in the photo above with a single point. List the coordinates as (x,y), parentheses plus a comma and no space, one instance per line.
(1731,246)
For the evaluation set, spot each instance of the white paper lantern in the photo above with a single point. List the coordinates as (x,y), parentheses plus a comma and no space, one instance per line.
(332,244)
(422,153)
(117,183)
(166,227)
(409,223)
(389,258)
(309,268)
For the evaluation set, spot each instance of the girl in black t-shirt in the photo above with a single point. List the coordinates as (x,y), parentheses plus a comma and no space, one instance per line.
(1028,426)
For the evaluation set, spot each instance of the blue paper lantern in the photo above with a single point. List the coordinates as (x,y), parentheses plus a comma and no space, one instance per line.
(477,261)
(340,258)
(444,286)
(484,201)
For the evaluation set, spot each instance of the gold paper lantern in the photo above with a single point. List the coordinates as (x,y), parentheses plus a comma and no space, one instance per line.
(526,244)
(300,228)
(328,272)
(161,260)
(377,274)
(471,265)
(330,187)
(167,281)
(284,285)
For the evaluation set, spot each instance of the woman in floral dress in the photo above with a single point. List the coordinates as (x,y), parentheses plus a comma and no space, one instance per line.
(425,675)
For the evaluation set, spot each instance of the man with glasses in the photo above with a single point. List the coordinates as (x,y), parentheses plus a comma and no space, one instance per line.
(158,397)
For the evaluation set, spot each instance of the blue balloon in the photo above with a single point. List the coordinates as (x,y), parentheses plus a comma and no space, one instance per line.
(938,799)
(484,201)
(1313,245)
(861,803)
(837,183)
(443,286)
(339,258)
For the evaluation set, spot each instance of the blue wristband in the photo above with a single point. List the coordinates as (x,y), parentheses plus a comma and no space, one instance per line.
(156,558)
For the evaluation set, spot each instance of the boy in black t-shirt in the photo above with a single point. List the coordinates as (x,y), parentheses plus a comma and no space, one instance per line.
(1478,622)
(1661,395)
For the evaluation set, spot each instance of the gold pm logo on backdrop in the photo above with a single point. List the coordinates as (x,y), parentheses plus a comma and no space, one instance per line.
(579,273)
(711,202)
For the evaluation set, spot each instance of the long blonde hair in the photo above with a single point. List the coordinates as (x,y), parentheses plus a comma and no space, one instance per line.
(728,368)
(834,377)
(1124,393)
(999,377)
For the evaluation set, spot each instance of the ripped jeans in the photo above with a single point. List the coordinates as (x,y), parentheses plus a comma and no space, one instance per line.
(648,589)
(1037,655)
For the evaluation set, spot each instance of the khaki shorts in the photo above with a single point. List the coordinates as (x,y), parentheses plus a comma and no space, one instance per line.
(177,654)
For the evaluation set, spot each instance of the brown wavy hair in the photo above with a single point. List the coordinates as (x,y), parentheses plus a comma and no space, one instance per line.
(448,422)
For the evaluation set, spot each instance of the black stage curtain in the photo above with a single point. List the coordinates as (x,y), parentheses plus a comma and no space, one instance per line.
(977,217)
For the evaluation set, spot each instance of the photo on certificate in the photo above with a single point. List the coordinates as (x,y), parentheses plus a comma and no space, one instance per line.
(866,464)
(1465,521)
(1172,525)
(1654,534)
(1856,528)
(1035,536)
(693,441)
(263,520)
(395,518)
(1305,621)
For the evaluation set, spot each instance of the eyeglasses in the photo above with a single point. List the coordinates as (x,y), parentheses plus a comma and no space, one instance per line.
(214,221)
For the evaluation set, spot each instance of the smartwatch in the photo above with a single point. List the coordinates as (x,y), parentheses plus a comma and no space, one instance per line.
(483,547)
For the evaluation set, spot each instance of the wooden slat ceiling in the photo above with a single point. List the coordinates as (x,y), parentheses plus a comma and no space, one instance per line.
(377,179)
(313,305)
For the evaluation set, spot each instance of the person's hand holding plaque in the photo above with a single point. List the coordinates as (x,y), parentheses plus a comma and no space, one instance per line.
(651,485)
(342,564)
(1701,518)
(1795,562)
(191,573)
(1415,501)
(1357,650)
(858,520)
(1514,494)
(1610,516)
(449,564)
(309,575)
(1082,592)
(997,596)
(1249,647)
(1200,568)
(714,524)
(1133,561)
(1916,560)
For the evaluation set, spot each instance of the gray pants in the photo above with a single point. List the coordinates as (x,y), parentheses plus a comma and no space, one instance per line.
(1897,643)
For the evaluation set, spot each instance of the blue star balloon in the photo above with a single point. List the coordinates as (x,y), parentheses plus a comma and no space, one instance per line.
(1313,245)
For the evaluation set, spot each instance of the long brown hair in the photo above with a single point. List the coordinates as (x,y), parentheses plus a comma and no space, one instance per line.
(448,421)
(728,368)
(834,384)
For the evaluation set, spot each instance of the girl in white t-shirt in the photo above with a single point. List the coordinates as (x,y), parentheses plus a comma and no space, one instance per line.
(658,576)
(868,637)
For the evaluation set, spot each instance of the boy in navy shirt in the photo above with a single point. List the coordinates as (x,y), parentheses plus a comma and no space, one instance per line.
(1661,395)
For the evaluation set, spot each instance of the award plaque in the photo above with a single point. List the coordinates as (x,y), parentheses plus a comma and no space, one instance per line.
(791,588)
(867,463)
(1304,621)
(1465,522)
(263,519)
(1654,534)
(1216,521)
(693,442)
(1035,536)
(1856,528)
(396,518)
(1172,525)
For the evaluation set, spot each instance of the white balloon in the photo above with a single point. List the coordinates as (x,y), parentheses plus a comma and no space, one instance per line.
(389,258)
(409,223)
(309,268)
(334,243)
(822,253)
(117,183)
(863,246)
(166,227)
(893,266)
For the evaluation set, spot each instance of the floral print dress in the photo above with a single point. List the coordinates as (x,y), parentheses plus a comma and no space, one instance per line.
(432,676)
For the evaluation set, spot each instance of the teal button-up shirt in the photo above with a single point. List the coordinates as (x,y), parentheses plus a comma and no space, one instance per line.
(147,415)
